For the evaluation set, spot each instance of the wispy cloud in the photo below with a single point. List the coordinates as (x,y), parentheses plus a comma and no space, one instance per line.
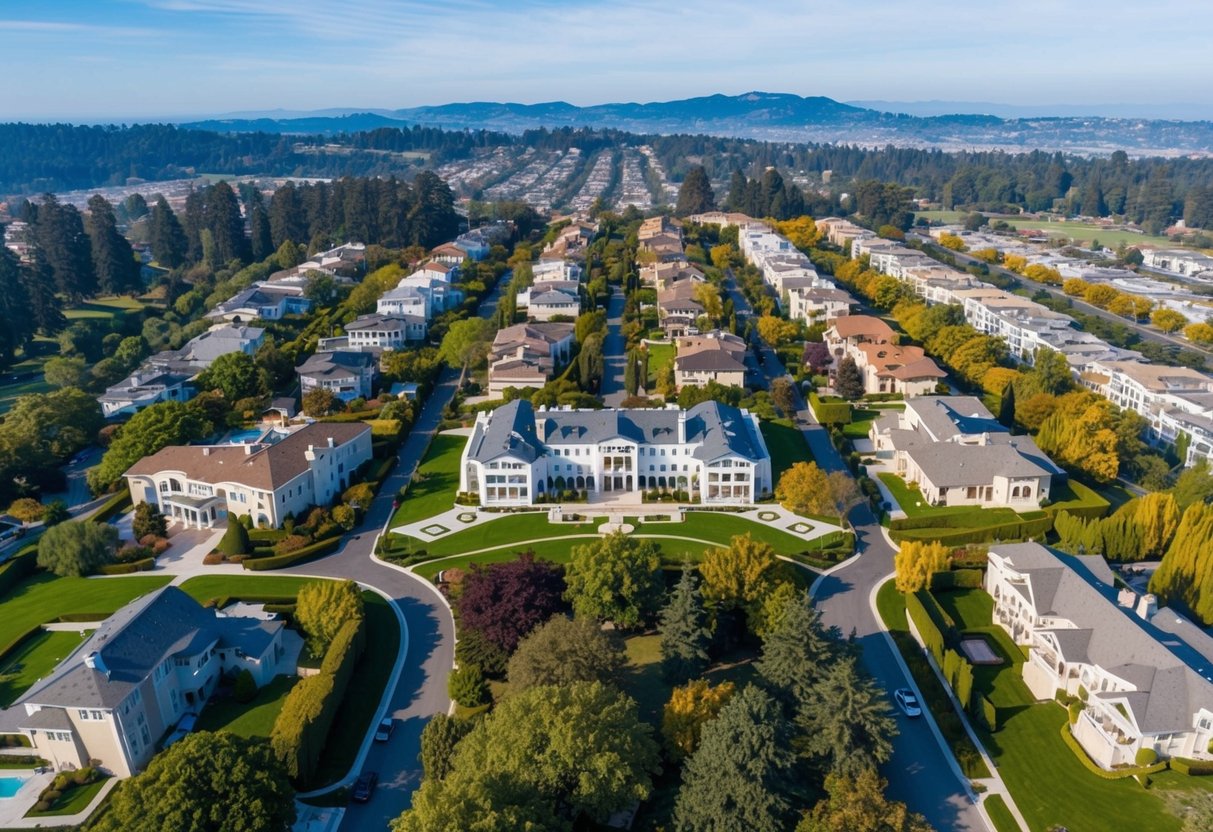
(66,28)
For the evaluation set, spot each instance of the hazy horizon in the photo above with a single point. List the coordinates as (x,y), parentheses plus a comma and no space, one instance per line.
(124,60)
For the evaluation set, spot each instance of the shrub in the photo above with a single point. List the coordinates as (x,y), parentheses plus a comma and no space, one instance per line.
(235,540)
(317,549)
(467,687)
(244,688)
(1074,709)
(1146,757)
(1192,768)
(290,543)
(149,521)
(42,806)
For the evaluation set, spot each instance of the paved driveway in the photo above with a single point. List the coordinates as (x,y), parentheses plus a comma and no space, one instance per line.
(614,349)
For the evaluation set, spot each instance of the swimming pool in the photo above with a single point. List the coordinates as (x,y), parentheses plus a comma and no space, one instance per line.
(243,437)
(9,786)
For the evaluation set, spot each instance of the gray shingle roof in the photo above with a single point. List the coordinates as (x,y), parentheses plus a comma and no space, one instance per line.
(1172,674)
(137,638)
(953,464)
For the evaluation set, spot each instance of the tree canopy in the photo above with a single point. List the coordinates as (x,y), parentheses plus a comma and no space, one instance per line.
(616,578)
(566,650)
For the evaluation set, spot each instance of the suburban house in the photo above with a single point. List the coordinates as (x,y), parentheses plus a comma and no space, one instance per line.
(665,246)
(1143,674)
(200,485)
(960,455)
(818,304)
(221,339)
(262,301)
(376,333)
(886,367)
(658,225)
(439,295)
(143,388)
(677,309)
(661,275)
(404,300)
(143,668)
(450,254)
(518,456)
(346,374)
(713,356)
(439,270)
(528,355)
(553,304)
(549,270)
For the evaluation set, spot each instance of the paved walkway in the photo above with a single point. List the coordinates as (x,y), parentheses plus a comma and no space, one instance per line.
(12,811)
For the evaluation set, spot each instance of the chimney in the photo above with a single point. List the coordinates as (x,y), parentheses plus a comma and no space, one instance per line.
(682,427)
(332,443)
(93,662)
(206,451)
(1147,606)
(1127,598)
(248,448)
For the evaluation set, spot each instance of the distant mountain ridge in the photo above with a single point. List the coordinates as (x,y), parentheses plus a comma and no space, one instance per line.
(764,115)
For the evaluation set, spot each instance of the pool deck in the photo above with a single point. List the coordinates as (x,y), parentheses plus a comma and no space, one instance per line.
(13,809)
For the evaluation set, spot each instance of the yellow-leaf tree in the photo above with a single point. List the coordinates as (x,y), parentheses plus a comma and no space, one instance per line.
(802,489)
(917,560)
(691,707)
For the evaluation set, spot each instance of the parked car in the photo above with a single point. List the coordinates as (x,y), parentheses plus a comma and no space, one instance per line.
(908,702)
(364,787)
(384,732)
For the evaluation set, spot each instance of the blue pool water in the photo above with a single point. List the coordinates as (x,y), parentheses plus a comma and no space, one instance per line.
(9,786)
(242,437)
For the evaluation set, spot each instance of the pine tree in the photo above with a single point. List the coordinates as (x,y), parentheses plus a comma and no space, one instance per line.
(848,381)
(113,259)
(695,195)
(796,652)
(742,776)
(287,218)
(223,220)
(44,308)
(685,634)
(259,227)
(60,235)
(167,238)
(846,720)
(16,324)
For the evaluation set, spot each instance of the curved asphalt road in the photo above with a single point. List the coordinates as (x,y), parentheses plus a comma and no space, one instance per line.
(421,689)
(920,773)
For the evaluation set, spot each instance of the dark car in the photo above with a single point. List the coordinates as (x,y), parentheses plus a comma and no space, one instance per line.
(364,787)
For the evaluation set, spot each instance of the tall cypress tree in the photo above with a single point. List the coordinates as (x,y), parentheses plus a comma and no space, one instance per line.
(685,633)
(113,260)
(1006,408)
(287,218)
(16,323)
(169,244)
(742,776)
(260,240)
(60,235)
(44,308)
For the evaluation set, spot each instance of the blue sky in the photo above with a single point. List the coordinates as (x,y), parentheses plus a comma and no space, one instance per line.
(127,59)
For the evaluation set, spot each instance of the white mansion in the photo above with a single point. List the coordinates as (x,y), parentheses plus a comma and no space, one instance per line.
(517,455)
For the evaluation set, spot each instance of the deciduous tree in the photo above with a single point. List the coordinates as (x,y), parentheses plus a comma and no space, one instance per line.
(77,547)
(505,601)
(690,708)
(859,804)
(616,578)
(917,561)
(323,607)
(149,430)
(566,650)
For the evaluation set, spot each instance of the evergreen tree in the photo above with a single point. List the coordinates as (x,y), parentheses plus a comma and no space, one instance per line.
(16,324)
(736,200)
(260,239)
(287,218)
(45,311)
(742,776)
(1006,408)
(224,221)
(848,381)
(796,652)
(685,634)
(113,259)
(59,233)
(193,221)
(845,721)
(695,195)
(167,238)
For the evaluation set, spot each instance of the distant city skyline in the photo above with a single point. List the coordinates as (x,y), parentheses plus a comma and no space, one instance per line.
(123,60)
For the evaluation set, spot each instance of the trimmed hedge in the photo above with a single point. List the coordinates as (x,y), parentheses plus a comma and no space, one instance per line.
(19,640)
(221,601)
(830,413)
(1019,530)
(303,724)
(301,555)
(961,519)
(1192,768)
(144,565)
(985,711)
(958,579)
(1115,774)
(345,651)
(116,505)
(1089,506)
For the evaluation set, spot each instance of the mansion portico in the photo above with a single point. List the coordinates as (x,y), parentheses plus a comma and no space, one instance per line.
(517,455)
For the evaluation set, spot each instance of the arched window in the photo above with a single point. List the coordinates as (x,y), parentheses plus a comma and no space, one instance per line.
(1027,491)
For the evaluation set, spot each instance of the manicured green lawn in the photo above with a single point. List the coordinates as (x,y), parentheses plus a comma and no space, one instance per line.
(911,501)
(645,684)
(44,597)
(433,488)
(103,308)
(1049,784)
(659,356)
(786,445)
(861,421)
(1004,821)
(206,587)
(75,799)
(248,719)
(33,660)
(366,688)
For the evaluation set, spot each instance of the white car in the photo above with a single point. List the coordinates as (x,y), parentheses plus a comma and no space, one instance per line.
(384,732)
(908,702)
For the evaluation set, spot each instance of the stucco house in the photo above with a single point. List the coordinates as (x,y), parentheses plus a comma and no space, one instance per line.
(143,668)
(1143,674)
(200,485)
(713,356)
(958,454)
(517,456)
